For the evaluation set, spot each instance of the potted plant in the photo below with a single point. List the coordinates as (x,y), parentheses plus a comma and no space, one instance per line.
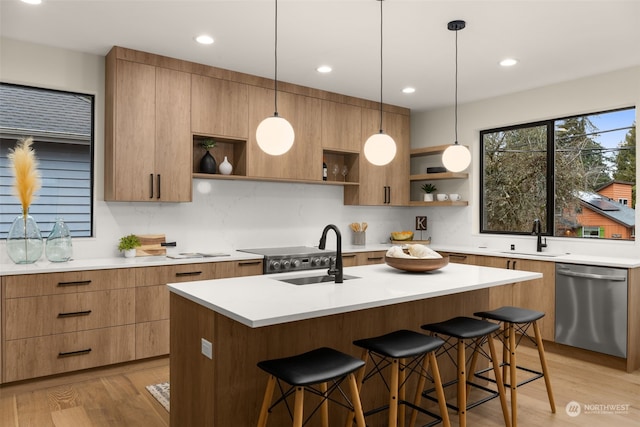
(208,163)
(128,245)
(428,189)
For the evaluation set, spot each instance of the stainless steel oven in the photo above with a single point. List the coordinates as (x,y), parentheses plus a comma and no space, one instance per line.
(293,258)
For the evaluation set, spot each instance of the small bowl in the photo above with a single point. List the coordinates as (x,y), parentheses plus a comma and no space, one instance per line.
(417,264)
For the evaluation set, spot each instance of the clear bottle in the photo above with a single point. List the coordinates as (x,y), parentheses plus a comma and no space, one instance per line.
(58,247)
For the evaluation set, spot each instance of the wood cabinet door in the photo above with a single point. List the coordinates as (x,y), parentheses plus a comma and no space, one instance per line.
(397,172)
(341,126)
(173,147)
(539,294)
(373,179)
(219,107)
(133,144)
(304,160)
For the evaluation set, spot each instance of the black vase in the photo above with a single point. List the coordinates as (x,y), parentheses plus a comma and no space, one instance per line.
(208,163)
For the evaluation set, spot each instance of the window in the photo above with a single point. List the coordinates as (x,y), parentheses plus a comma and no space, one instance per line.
(61,124)
(576,174)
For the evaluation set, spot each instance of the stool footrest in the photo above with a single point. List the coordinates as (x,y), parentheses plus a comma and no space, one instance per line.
(436,418)
(538,375)
(492,395)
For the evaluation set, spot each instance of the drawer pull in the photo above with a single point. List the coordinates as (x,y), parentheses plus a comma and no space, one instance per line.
(462,257)
(189,273)
(374,258)
(76,283)
(245,263)
(74,353)
(348,256)
(74,314)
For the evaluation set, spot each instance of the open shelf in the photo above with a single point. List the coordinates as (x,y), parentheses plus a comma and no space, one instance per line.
(440,175)
(436,203)
(342,158)
(233,149)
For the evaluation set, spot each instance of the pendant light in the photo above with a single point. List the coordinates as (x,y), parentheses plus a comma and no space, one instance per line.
(275,134)
(380,148)
(456,157)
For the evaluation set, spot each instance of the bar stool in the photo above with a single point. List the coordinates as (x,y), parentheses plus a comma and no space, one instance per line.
(463,332)
(306,371)
(517,320)
(403,351)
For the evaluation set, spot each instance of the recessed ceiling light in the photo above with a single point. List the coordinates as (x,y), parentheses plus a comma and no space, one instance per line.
(508,62)
(408,90)
(32,1)
(204,39)
(324,69)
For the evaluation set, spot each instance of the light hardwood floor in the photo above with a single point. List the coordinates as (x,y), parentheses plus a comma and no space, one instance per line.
(117,397)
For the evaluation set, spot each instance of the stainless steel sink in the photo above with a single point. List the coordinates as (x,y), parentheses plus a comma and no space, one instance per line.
(544,254)
(314,279)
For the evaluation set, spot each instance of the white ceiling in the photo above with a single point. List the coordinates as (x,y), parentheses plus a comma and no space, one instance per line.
(555,40)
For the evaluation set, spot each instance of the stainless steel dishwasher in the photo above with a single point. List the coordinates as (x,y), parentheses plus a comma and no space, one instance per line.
(591,308)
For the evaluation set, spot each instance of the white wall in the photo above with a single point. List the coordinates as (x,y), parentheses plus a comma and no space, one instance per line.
(232,215)
(459,226)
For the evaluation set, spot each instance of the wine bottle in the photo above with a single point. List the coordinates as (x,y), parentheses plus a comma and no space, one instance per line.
(324,170)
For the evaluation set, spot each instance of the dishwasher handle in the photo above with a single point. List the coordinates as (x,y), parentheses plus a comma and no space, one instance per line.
(591,275)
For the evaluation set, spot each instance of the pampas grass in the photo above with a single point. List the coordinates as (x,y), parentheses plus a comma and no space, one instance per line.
(25,168)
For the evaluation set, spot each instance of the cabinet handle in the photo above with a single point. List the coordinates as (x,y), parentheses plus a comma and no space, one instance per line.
(74,353)
(247,263)
(158,186)
(508,264)
(74,314)
(514,265)
(76,283)
(189,273)
(348,256)
(151,185)
(462,257)
(374,258)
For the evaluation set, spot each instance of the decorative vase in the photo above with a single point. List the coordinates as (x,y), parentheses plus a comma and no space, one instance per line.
(58,247)
(24,240)
(225,167)
(208,163)
(428,197)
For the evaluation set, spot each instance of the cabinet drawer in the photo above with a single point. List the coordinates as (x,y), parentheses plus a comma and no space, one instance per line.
(68,282)
(161,275)
(152,339)
(239,268)
(54,314)
(368,258)
(54,354)
(152,303)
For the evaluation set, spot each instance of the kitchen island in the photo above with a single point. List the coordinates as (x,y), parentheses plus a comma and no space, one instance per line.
(254,318)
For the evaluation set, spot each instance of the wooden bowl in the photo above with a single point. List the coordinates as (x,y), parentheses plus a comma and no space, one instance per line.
(417,264)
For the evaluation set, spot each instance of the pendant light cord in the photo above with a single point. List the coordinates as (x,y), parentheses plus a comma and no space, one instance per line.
(381,131)
(275,97)
(456,93)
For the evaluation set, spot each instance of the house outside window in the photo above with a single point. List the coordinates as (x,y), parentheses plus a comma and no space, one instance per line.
(61,124)
(568,172)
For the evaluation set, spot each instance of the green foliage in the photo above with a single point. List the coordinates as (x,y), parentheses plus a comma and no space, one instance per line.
(208,143)
(428,188)
(128,242)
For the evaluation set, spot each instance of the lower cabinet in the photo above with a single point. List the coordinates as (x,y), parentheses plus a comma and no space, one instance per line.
(61,322)
(362,258)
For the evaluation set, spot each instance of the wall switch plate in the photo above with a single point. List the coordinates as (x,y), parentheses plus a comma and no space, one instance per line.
(206,348)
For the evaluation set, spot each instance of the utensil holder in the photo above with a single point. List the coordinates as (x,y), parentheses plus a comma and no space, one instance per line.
(359,238)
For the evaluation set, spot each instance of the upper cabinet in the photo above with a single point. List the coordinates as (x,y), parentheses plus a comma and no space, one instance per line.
(383,185)
(219,107)
(147,133)
(341,126)
(304,160)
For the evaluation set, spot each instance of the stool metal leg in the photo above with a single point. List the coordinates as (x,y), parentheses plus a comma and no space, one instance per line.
(499,382)
(298,407)
(543,362)
(324,409)
(266,402)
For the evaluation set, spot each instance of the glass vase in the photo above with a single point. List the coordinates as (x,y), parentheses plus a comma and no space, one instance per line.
(58,247)
(24,241)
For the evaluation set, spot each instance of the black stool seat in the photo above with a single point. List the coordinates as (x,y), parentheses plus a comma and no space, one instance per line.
(511,314)
(401,344)
(314,367)
(462,327)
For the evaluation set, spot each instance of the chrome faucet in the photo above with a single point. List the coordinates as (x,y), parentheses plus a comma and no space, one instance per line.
(537,230)
(336,269)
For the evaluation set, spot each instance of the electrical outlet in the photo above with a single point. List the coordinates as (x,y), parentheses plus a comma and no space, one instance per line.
(206,348)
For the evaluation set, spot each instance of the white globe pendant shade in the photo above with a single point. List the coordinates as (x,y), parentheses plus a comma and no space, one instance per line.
(275,135)
(380,149)
(456,158)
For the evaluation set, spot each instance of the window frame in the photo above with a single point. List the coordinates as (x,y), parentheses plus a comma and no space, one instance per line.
(549,224)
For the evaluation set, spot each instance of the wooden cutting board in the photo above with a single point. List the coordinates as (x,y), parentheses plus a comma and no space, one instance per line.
(151,245)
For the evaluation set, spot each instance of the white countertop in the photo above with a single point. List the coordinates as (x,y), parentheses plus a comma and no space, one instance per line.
(45,266)
(258,301)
